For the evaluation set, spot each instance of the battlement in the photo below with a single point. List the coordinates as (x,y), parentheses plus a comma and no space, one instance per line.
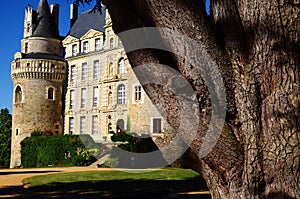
(38,69)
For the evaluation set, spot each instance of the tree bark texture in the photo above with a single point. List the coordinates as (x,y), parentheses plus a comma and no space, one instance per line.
(255,45)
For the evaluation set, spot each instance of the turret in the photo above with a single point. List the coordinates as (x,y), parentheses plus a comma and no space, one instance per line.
(38,73)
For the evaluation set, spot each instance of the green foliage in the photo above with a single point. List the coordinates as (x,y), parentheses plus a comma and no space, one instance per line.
(41,151)
(84,157)
(5,137)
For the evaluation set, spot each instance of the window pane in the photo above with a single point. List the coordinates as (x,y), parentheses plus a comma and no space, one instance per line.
(84,71)
(97,44)
(74,50)
(71,125)
(96,69)
(95,125)
(73,73)
(121,94)
(85,47)
(51,93)
(95,96)
(121,67)
(157,125)
(138,93)
(83,97)
(72,96)
(82,125)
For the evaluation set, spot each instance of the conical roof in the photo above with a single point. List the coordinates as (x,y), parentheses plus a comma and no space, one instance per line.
(45,26)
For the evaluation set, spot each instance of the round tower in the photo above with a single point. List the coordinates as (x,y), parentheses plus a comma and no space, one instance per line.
(38,73)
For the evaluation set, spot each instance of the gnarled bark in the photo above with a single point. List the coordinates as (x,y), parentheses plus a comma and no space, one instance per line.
(255,47)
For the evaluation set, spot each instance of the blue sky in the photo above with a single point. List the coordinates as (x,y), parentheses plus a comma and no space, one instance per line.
(11,20)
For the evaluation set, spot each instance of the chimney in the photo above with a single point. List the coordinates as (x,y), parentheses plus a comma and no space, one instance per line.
(73,14)
(54,9)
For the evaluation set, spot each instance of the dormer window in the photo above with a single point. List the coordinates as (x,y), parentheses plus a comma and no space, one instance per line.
(97,44)
(74,50)
(111,43)
(85,47)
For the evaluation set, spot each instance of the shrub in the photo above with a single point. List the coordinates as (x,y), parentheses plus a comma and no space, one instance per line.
(78,160)
(41,151)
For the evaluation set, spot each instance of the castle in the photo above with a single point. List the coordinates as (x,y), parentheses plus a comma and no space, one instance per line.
(78,84)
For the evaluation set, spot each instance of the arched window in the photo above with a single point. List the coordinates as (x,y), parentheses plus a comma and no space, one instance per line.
(111,43)
(121,94)
(120,126)
(50,93)
(18,94)
(121,66)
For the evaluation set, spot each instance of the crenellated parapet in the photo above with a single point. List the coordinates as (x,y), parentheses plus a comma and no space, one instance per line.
(55,70)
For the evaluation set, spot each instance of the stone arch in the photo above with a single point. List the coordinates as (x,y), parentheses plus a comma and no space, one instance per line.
(18,94)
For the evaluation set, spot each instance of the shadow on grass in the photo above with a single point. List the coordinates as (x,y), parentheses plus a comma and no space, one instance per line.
(131,189)
(25,172)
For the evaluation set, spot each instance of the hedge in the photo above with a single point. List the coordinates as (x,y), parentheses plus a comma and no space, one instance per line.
(43,151)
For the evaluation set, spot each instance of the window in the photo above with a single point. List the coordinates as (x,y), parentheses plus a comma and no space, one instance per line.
(120,42)
(28,27)
(156,124)
(18,94)
(121,66)
(83,98)
(111,43)
(95,96)
(72,97)
(109,99)
(95,126)
(51,94)
(74,49)
(71,125)
(121,94)
(137,93)
(120,126)
(85,47)
(73,73)
(96,69)
(82,125)
(84,71)
(26,47)
(97,44)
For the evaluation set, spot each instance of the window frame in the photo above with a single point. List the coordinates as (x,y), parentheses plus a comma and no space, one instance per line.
(121,94)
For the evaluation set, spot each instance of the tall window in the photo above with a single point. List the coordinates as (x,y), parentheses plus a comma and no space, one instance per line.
(26,47)
(51,94)
(71,125)
(156,124)
(121,66)
(95,96)
(121,94)
(97,44)
(96,69)
(18,94)
(111,43)
(82,125)
(72,97)
(120,42)
(74,49)
(83,98)
(137,93)
(84,71)
(73,73)
(85,47)
(109,98)
(95,125)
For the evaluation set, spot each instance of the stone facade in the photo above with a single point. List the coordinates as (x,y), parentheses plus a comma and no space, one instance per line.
(113,97)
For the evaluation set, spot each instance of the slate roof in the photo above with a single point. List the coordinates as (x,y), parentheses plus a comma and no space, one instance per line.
(45,26)
(86,21)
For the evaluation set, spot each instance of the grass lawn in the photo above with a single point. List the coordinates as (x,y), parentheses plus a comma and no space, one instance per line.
(114,183)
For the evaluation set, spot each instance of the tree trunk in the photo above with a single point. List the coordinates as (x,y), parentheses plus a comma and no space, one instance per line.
(254,46)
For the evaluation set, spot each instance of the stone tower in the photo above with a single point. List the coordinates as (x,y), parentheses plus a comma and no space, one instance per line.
(38,73)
